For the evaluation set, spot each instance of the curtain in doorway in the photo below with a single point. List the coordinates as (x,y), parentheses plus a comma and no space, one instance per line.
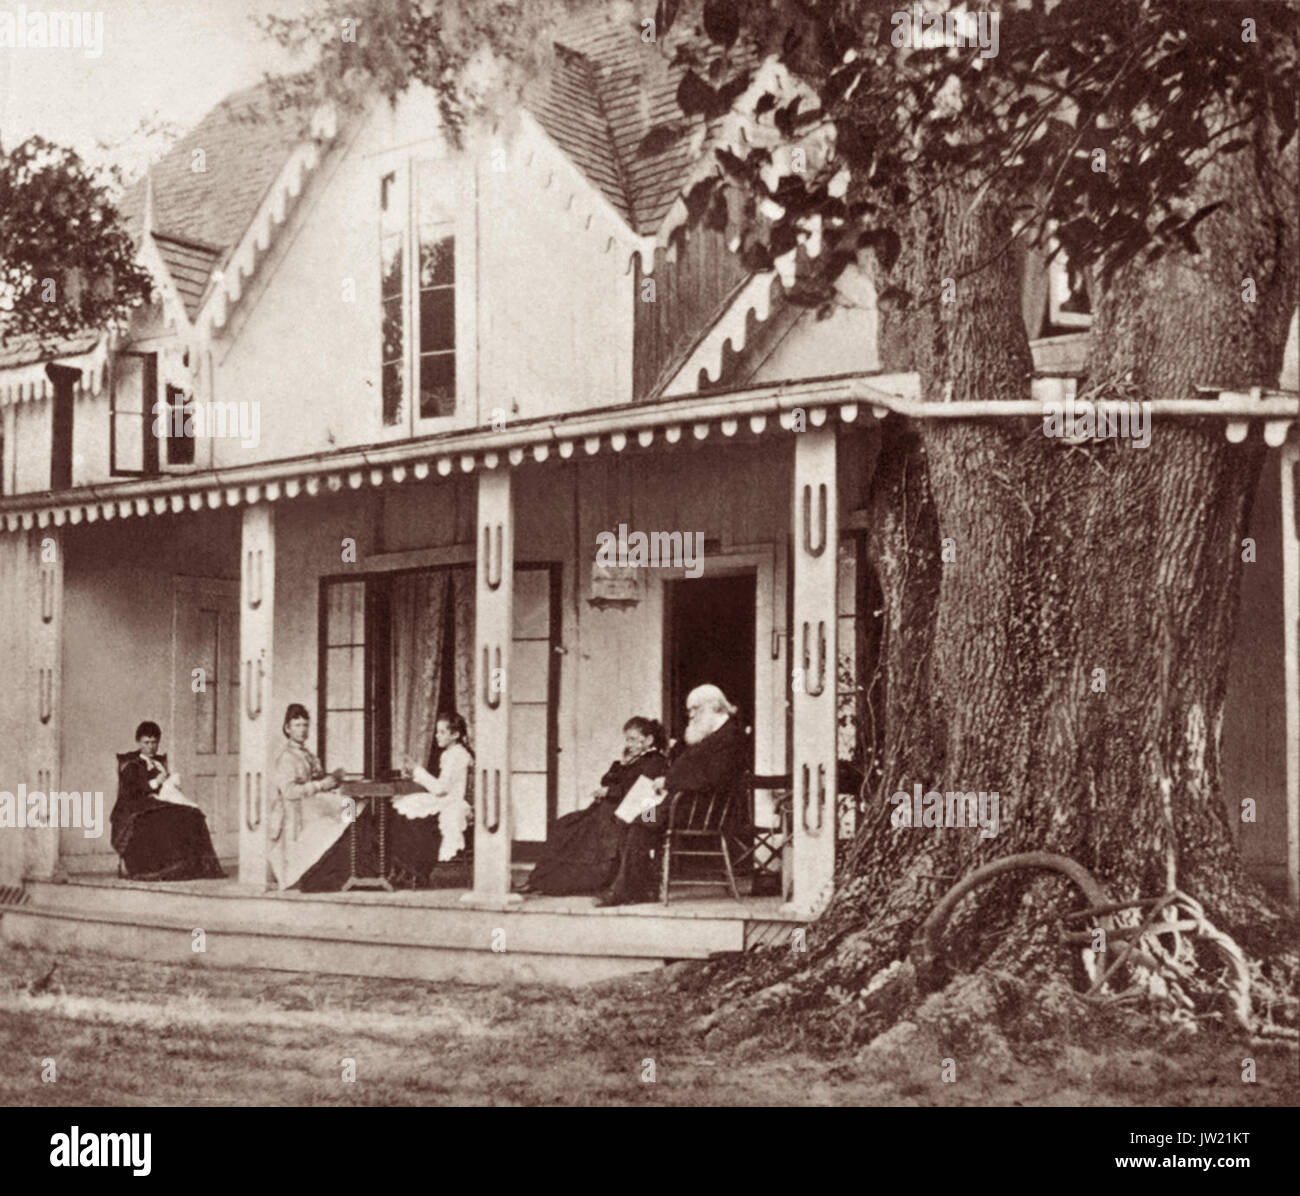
(419,604)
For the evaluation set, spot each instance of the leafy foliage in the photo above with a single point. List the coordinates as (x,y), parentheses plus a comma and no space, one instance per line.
(476,55)
(66,262)
(1159,87)
(1099,114)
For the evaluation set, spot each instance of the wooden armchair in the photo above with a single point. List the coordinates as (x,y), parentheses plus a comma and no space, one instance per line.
(694,821)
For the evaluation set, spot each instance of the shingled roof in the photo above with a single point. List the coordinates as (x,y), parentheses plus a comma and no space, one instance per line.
(609,89)
(241,145)
(209,185)
(190,265)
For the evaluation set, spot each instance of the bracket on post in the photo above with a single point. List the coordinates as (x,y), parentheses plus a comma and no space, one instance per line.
(492,570)
(814,550)
(491,823)
(821,660)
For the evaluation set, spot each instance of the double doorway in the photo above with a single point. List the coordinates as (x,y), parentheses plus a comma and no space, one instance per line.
(396,650)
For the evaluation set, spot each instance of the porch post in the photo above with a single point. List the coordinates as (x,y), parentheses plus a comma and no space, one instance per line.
(45,549)
(815,525)
(259,730)
(1289,464)
(493,629)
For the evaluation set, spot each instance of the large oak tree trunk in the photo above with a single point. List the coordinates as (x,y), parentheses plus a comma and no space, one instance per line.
(1072,652)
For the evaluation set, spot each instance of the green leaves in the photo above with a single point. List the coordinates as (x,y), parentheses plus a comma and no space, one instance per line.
(67,264)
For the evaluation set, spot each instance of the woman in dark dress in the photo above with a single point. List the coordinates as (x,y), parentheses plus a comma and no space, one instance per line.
(157,839)
(583,849)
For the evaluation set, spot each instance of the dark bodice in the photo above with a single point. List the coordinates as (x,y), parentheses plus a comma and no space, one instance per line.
(620,777)
(133,777)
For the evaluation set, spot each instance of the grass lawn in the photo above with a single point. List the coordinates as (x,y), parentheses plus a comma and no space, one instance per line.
(125,1033)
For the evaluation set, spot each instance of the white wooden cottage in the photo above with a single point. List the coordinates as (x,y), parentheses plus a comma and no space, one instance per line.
(428,379)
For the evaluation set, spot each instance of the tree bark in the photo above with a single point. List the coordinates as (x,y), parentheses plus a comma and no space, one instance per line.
(1072,652)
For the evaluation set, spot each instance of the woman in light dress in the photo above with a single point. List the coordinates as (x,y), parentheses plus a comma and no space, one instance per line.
(430,826)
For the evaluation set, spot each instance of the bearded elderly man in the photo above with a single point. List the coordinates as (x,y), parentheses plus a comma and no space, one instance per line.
(715,758)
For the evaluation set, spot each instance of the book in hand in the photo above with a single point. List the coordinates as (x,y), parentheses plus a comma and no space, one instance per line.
(641,797)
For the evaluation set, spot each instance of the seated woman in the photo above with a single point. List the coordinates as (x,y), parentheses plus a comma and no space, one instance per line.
(431,825)
(159,834)
(307,846)
(583,850)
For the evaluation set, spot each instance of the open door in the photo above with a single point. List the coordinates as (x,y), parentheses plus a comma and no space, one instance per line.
(710,641)
(202,744)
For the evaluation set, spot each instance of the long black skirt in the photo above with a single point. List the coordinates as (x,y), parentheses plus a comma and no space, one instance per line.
(582,852)
(410,851)
(165,841)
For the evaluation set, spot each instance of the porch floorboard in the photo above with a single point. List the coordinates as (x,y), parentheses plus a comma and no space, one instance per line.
(413,934)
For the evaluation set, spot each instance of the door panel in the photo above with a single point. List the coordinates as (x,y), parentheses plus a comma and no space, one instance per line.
(202,743)
(530,684)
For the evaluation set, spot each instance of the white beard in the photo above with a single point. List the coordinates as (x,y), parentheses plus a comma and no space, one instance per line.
(702,727)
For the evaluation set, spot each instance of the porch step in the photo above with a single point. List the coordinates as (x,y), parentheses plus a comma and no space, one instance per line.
(286,949)
(410,935)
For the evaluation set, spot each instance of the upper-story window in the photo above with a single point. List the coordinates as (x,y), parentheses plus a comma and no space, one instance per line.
(417,250)
(178,437)
(132,439)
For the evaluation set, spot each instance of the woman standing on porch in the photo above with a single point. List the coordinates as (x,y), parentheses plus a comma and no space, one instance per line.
(308,849)
(159,833)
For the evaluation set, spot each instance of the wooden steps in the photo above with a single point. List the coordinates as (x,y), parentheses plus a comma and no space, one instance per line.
(426,935)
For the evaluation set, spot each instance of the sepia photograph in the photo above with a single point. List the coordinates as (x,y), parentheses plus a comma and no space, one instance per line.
(603,553)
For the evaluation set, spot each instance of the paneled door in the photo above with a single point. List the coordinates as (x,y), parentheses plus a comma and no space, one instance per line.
(202,743)
(533,687)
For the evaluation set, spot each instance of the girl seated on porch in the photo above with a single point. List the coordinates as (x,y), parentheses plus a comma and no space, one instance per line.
(159,833)
(582,853)
(431,825)
(309,848)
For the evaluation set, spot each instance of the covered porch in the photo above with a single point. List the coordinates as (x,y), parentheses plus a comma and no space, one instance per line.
(242,581)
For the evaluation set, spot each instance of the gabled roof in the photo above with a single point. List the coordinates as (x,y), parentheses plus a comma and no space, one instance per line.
(190,266)
(241,146)
(210,184)
(608,90)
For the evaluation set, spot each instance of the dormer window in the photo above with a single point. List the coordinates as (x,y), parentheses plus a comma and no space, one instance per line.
(417,262)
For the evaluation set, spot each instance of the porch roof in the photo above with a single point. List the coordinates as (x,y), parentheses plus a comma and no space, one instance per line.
(768,408)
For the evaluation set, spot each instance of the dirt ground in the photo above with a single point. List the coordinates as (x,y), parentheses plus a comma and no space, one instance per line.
(124,1033)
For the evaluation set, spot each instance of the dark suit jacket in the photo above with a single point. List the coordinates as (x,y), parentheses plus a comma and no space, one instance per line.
(719,763)
(717,760)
